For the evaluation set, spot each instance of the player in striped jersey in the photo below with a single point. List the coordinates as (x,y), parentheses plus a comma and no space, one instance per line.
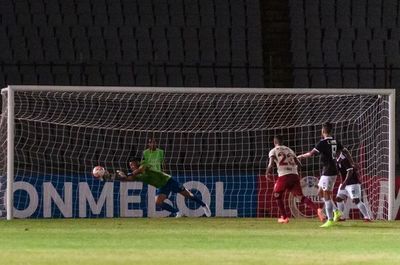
(288,177)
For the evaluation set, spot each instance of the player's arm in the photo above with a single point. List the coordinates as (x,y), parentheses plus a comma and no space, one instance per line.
(297,161)
(270,166)
(308,154)
(348,175)
(131,176)
(299,165)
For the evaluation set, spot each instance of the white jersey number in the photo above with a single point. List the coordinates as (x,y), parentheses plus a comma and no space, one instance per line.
(334,148)
(285,159)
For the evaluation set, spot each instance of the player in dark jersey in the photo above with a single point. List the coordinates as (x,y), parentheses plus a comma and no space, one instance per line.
(163,182)
(351,185)
(327,148)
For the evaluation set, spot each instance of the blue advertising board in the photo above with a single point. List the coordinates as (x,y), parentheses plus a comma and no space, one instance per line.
(84,196)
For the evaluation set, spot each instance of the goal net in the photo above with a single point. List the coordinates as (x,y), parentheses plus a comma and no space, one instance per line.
(216,143)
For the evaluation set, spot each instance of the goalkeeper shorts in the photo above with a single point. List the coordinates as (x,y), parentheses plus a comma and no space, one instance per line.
(171,186)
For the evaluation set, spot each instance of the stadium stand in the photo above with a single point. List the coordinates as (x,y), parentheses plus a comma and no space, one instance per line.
(131,42)
(347,44)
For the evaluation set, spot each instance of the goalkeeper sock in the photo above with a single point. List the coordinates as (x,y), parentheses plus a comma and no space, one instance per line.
(197,199)
(329,209)
(169,208)
(363,210)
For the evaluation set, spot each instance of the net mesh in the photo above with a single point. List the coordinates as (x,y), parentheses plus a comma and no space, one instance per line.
(218,143)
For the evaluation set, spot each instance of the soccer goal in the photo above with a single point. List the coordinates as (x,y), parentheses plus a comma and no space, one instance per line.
(216,142)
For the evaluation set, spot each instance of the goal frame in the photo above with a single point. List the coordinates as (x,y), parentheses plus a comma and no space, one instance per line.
(10,90)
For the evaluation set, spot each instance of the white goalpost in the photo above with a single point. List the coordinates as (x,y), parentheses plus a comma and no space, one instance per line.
(216,142)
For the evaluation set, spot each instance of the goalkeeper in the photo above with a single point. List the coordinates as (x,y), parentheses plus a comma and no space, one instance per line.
(163,182)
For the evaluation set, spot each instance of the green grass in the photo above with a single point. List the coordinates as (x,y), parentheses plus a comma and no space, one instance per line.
(196,241)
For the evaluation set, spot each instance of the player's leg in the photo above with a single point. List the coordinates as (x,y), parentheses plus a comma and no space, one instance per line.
(363,209)
(326,183)
(160,202)
(279,200)
(176,187)
(327,198)
(190,196)
(298,192)
(355,194)
(279,188)
(340,203)
(163,194)
(321,211)
(341,198)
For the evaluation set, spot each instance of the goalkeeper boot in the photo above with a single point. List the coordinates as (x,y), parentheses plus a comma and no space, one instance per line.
(207,210)
(328,223)
(336,215)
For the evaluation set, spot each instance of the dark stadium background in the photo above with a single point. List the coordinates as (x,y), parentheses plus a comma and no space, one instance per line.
(202,43)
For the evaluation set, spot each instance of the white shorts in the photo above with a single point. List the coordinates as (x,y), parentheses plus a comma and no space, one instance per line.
(326,183)
(352,191)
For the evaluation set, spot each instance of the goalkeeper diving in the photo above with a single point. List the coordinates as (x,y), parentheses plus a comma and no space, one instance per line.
(164,183)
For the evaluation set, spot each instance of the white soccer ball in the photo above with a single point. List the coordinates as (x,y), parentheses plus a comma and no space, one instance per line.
(98,172)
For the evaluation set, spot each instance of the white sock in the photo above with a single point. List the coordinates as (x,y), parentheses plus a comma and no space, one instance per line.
(334,208)
(329,209)
(363,210)
(340,206)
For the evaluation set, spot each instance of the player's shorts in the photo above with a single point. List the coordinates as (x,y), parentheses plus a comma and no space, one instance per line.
(171,186)
(290,182)
(326,183)
(353,191)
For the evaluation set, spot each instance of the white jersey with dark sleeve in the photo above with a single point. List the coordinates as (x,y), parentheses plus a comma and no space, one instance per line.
(328,149)
(284,159)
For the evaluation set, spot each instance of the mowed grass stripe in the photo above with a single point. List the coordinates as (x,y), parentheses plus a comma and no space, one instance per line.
(197,241)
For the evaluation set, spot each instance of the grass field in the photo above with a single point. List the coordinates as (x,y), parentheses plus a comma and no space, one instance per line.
(197,241)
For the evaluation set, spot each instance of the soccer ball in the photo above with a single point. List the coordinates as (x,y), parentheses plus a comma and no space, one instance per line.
(98,172)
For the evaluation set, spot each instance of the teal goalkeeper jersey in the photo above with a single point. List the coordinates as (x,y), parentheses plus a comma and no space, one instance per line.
(154,158)
(153,177)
